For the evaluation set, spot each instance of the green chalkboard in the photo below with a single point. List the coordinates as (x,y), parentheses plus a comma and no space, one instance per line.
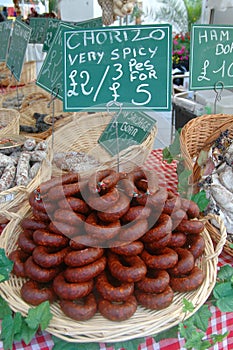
(129,65)
(39,27)
(5,32)
(211,58)
(53,24)
(90,23)
(50,76)
(132,129)
(18,46)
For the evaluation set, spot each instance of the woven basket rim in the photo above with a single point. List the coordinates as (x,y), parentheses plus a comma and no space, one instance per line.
(98,329)
(207,127)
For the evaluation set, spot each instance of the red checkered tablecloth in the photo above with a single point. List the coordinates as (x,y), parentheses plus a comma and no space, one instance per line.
(219,323)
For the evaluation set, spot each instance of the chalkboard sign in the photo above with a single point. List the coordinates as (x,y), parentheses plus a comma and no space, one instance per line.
(130,65)
(53,24)
(5,32)
(50,77)
(90,23)
(132,129)
(211,56)
(39,27)
(18,45)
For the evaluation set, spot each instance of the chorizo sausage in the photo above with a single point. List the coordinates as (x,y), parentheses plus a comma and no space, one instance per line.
(155,281)
(103,202)
(69,216)
(155,301)
(35,293)
(161,228)
(115,211)
(103,180)
(80,309)
(83,257)
(120,311)
(87,272)
(48,257)
(133,230)
(100,230)
(60,191)
(40,216)
(178,239)
(190,207)
(133,248)
(172,203)
(38,273)
(137,212)
(58,180)
(49,239)
(161,243)
(190,226)
(126,268)
(196,245)
(112,289)
(32,224)
(162,259)
(61,228)
(75,204)
(18,257)
(25,242)
(185,263)
(71,291)
(41,204)
(189,282)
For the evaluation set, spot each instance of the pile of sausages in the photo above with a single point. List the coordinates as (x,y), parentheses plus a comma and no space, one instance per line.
(19,166)
(108,243)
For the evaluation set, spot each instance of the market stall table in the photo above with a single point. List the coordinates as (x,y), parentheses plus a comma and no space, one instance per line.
(220,322)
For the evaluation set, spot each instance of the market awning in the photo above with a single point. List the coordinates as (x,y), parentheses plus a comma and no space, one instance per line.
(7,3)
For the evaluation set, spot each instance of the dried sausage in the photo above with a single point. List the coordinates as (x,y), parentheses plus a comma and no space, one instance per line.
(103,202)
(18,257)
(162,259)
(48,257)
(76,204)
(126,268)
(84,256)
(71,291)
(100,230)
(85,273)
(196,245)
(190,226)
(117,210)
(133,230)
(103,180)
(185,263)
(155,281)
(25,242)
(49,239)
(133,248)
(80,309)
(189,282)
(161,228)
(32,224)
(38,273)
(120,311)
(155,301)
(112,289)
(62,228)
(35,293)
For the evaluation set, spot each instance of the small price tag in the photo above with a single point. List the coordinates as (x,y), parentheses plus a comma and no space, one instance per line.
(132,129)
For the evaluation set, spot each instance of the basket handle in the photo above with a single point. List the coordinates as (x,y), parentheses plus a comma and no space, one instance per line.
(223,234)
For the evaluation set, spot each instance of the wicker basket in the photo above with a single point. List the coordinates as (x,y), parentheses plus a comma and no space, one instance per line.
(144,322)
(28,75)
(199,134)
(9,118)
(14,98)
(40,105)
(82,136)
(12,199)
